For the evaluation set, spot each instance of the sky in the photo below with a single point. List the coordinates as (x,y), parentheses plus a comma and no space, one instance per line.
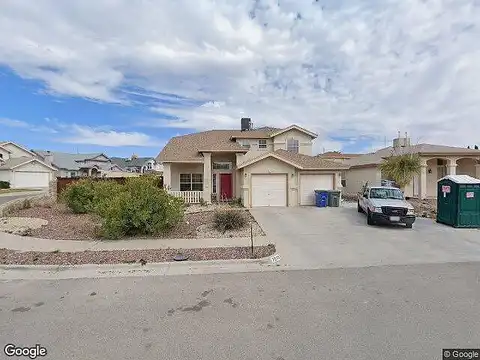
(124,76)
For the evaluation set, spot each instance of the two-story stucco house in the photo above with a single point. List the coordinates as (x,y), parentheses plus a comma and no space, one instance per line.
(264,166)
(21,168)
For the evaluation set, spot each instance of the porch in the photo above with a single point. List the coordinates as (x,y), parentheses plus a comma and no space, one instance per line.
(215,179)
(434,168)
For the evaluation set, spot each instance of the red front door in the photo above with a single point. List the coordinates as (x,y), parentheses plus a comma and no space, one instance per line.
(226,186)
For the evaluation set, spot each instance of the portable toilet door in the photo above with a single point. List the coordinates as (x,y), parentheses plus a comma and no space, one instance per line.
(446,201)
(458,201)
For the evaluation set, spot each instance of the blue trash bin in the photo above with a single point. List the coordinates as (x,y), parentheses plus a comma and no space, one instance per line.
(321,198)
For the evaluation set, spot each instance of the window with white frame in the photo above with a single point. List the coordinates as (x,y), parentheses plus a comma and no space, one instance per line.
(191,182)
(221,165)
(292,145)
(245,144)
(214,184)
(262,144)
(149,166)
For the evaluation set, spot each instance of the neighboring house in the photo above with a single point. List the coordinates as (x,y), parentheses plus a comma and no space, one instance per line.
(263,166)
(78,165)
(137,164)
(342,158)
(437,162)
(337,156)
(22,169)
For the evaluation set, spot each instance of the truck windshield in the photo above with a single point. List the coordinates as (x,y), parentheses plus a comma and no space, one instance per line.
(379,193)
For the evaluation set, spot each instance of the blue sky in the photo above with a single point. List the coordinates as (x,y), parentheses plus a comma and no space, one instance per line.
(123,77)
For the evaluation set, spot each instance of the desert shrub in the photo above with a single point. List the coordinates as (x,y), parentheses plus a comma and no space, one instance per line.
(229,219)
(26,204)
(142,208)
(103,191)
(4,185)
(78,196)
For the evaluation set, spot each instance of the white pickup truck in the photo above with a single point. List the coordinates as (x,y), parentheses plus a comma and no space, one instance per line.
(385,205)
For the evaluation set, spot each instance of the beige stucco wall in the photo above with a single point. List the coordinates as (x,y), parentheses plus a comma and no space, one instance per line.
(5,154)
(304,140)
(254,144)
(356,178)
(5,175)
(16,152)
(271,166)
(177,169)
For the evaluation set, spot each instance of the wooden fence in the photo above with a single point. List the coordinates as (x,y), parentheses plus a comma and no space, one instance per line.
(62,183)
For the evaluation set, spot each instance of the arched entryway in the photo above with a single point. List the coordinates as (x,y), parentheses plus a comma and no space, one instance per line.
(467,166)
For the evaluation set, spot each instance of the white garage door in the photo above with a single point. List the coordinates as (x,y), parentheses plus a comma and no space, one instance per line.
(269,190)
(310,183)
(27,179)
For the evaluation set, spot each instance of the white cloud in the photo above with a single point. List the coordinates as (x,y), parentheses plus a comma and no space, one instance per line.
(14,123)
(344,68)
(111,138)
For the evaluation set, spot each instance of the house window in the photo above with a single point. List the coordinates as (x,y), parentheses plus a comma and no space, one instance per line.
(149,166)
(214,184)
(292,145)
(245,144)
(344,182)
(222,165)
(73,174)
(191,182)
(262,144)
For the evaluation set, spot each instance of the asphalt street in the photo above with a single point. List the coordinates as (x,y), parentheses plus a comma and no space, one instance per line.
(389,312)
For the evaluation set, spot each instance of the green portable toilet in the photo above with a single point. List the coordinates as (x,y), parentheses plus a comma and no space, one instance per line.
(458,201)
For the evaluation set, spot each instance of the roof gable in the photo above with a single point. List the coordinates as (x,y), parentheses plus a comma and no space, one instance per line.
(5,145)
(14,163)
(299,161)
(295,127)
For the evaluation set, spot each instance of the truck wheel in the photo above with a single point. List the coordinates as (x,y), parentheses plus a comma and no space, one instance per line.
(369,219)
(359,208)
(409,226)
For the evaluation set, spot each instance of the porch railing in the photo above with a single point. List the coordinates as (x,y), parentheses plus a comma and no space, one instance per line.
(190,197)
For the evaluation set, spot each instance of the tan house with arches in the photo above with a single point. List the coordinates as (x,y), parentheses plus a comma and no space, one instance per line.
(437,162)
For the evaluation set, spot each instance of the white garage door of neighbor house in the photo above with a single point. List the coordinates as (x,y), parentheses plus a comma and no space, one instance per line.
(31,179)
(310,183)
(269,190)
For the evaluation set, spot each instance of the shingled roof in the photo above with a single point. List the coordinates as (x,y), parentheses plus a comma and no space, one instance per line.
(300,161)
(188,147)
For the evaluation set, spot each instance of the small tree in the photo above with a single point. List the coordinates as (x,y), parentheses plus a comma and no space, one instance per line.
(401,168)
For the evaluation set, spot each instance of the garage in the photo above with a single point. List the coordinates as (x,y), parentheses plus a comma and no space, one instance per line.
(269,190)
(311,182)
(30,179)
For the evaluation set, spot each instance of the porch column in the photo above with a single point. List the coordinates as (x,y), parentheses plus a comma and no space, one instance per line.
(477,171)
(422,191)
(452,167)
(207,177)
(167,176)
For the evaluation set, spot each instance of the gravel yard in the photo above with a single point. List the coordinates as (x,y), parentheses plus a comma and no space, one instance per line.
(64,225)
(10,257)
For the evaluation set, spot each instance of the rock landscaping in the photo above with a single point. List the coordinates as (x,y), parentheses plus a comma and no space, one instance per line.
(425,208)
(10,257)
(59,223)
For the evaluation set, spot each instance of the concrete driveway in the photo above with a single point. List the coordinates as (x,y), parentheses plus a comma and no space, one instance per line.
(315,238)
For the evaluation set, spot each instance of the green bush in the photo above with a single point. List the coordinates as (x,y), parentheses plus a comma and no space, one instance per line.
(104,190)
(142,208)
(4,185)
(78,196)
(229,219)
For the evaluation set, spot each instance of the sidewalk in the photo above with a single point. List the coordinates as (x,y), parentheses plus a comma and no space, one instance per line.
(27,243)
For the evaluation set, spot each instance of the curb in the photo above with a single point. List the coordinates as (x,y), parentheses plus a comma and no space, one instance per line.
(58,272)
